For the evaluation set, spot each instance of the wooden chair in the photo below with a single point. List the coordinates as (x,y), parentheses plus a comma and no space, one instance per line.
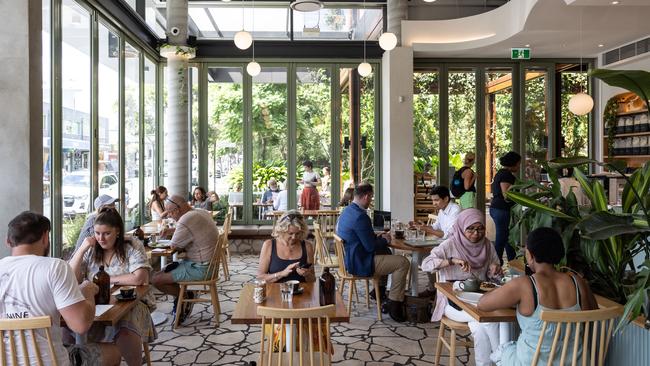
(431,219)
(596,327)
(147,354)
(12,328)
(322,255)
(302,323)
(225,250)
(345,276)
(454,328)
(327,220)
(208,285)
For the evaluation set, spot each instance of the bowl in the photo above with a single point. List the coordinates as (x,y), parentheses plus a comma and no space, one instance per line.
(295,284)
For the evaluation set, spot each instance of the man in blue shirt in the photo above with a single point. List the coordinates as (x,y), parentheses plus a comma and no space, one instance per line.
(365,252)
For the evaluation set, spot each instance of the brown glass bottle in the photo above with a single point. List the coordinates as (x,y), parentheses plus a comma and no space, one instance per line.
(139,233)
(327,288)
(103,281)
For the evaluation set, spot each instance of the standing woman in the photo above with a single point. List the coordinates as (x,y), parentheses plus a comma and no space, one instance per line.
(500,206)
(468,177)
(309,199)
(127,264)
(157,203)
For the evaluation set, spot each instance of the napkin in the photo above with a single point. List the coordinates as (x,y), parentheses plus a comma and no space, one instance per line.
(158,250)
(101,309)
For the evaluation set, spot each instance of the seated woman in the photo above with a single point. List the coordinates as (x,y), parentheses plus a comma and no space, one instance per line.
(288,256)
(200,199)
(547,289)
(127,264)
(157,203)
(466,253)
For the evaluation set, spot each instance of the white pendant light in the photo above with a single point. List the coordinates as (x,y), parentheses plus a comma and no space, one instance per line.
(387,41)
(364,69)
(429,1)
(253,68)
(581,104)
(243,40)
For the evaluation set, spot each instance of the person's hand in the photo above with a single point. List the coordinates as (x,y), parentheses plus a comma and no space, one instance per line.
(386,236)
(88,243)
(304,271)
(167,233)
(464,265)
(495,270)
(290,268)
(88,289)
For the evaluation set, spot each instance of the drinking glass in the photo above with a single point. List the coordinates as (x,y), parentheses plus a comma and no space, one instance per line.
(153,239)
(286,290)
(386,225)
(411,234)
(421,235)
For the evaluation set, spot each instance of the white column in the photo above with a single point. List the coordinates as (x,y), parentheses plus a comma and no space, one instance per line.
(176,128)
(21,100)
(397,132)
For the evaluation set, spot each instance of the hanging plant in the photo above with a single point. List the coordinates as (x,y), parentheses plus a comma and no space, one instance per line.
(609,121)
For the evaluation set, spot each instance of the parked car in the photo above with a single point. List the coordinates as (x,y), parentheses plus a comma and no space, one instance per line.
(76,189)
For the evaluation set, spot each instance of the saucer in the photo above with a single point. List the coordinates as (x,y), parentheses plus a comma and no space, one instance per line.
(119,297)
(299,291)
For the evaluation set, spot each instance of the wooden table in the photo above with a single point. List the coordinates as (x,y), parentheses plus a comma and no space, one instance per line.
(163,254)
(246,309)
(501,315)
(149,229)
(416,257)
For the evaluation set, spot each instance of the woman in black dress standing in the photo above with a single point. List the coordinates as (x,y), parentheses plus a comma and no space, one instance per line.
(500,206)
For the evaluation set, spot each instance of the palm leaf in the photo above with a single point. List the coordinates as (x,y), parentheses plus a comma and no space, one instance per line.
(584,183)
(526,201)
(636,81)
(606,225)
(562,163)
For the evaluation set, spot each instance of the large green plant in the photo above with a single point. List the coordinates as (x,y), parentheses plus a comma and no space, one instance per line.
(600,242)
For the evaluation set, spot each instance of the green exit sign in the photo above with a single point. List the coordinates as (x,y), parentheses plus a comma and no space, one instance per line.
(520,53)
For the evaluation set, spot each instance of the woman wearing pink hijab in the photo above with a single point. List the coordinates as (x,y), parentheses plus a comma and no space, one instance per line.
(466,253)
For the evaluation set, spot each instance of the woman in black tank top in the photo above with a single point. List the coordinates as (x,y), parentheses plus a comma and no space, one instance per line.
(285,257)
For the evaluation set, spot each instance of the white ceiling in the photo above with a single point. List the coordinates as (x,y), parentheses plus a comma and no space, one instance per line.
(551,29)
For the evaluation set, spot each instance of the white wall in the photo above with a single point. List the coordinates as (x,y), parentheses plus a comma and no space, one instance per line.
(21,149)
(397,133)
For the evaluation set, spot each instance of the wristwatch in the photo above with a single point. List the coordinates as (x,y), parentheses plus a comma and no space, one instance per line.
(451,261)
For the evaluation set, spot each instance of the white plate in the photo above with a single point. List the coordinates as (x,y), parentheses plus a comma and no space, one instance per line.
(163,241)
(469,297)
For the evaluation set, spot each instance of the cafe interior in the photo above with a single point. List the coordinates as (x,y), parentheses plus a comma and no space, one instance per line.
(499,138)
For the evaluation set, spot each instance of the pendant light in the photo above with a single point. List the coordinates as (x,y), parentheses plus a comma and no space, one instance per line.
(253,68)
(364,68)
(306,6)
(243,39)
(387,41)
(581,103)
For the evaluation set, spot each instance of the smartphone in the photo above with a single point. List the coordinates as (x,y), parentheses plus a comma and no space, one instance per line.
(305,266)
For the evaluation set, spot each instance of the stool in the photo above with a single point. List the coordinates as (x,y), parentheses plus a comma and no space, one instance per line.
(453,343)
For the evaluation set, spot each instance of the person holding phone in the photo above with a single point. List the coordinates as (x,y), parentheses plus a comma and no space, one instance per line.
(288,256)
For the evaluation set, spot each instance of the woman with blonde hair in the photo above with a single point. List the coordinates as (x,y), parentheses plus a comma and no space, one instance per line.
(288,256)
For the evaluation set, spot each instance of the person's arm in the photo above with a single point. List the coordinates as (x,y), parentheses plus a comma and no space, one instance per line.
(182,237)
(503,297)
(505,185)
(156,207)
(363,229)
(137,278)
(309,273)
(437,259)
(469,177)
(588,300)
(75,303)
(79,316)
(265,262)
(77,261)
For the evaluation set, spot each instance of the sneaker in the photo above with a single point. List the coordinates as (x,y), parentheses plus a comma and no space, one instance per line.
(382,293)
(187,308)
(396,311)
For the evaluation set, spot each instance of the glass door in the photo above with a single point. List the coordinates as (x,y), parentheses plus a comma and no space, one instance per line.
(536,122)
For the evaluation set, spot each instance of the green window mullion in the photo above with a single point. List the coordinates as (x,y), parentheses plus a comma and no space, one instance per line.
(377,138)
(160,137)
(443,167)
(551,117)
(141,149)
(203,125)
(94,111)
(335,105)
(291,135)
(56,134)
(248,146)
(480,137)
(122,124)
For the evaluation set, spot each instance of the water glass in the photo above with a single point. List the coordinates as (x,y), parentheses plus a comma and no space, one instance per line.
(286,290)
(421,235)
(153,239)
(411,234)
(386,225)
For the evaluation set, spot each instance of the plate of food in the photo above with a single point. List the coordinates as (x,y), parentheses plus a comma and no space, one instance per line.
(161,243)
(488,286)
(469,297)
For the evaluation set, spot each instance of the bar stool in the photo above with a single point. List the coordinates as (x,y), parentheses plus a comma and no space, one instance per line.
(451,345)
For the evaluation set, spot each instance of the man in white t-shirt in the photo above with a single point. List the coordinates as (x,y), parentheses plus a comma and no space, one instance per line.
(33,285)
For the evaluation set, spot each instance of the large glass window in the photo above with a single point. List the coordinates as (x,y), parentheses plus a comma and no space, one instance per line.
(498,121)
(535,122)
(75,154)
(313,125)
(150,128)
(132,136)
(574,130)
(462,116)
(47,111)
(335,23)
(426,124)
(225,134)
(270,147)
(367,128)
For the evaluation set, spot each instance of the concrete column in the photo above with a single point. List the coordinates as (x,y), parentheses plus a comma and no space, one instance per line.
(397,10)
(21,98)
(397,133)
(176,128)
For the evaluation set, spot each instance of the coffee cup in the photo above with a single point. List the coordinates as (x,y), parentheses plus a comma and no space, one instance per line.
(470,284)
(127,291)
(295,284)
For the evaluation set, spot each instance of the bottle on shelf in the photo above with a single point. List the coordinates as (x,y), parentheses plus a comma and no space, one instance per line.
(327,288)
(103,281)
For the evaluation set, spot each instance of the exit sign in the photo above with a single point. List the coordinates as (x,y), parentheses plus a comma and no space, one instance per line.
(520,53)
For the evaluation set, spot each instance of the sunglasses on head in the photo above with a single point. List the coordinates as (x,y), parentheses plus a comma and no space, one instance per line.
(292,216)
(175,204)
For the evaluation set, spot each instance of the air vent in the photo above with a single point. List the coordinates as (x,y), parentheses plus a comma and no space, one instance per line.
(627,51)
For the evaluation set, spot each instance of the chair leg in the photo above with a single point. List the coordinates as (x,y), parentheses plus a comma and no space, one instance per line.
(147,355)
(441,335)
(375,285)
(225,256)
(342,286)
(214,296)
(368,295)
(179,306)
(452,350)
(350,290)
(356,292)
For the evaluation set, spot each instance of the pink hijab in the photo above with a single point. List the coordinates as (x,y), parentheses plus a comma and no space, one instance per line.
(476,254)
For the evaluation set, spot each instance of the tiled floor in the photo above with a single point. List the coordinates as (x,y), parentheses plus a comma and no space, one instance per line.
(363,341)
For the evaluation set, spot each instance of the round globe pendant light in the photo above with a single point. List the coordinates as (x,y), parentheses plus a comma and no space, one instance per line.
(387,41)
(581,104)
(253,68)
(364,69)
(243,40)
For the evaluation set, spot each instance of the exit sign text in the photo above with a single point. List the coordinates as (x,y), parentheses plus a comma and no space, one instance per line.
(520,53)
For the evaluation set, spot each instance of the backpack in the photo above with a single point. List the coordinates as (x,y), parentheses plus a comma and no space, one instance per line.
(458,183)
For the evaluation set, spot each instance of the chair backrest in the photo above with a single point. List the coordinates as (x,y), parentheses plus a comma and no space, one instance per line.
(591,330)
(217,257)
(227,222)
(340,255)
(327,220)
(306,323)
(322,254)
(18,328)
(431,219)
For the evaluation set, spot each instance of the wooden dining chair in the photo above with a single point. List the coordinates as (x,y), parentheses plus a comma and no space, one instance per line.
(345,276)
(591,331)
(322,255)
(19,328)
(431,218)
(299,324)
(206,286)
(455,329)
(225,249)
(327,220)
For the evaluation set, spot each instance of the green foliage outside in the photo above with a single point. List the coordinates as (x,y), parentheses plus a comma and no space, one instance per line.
(71,229)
